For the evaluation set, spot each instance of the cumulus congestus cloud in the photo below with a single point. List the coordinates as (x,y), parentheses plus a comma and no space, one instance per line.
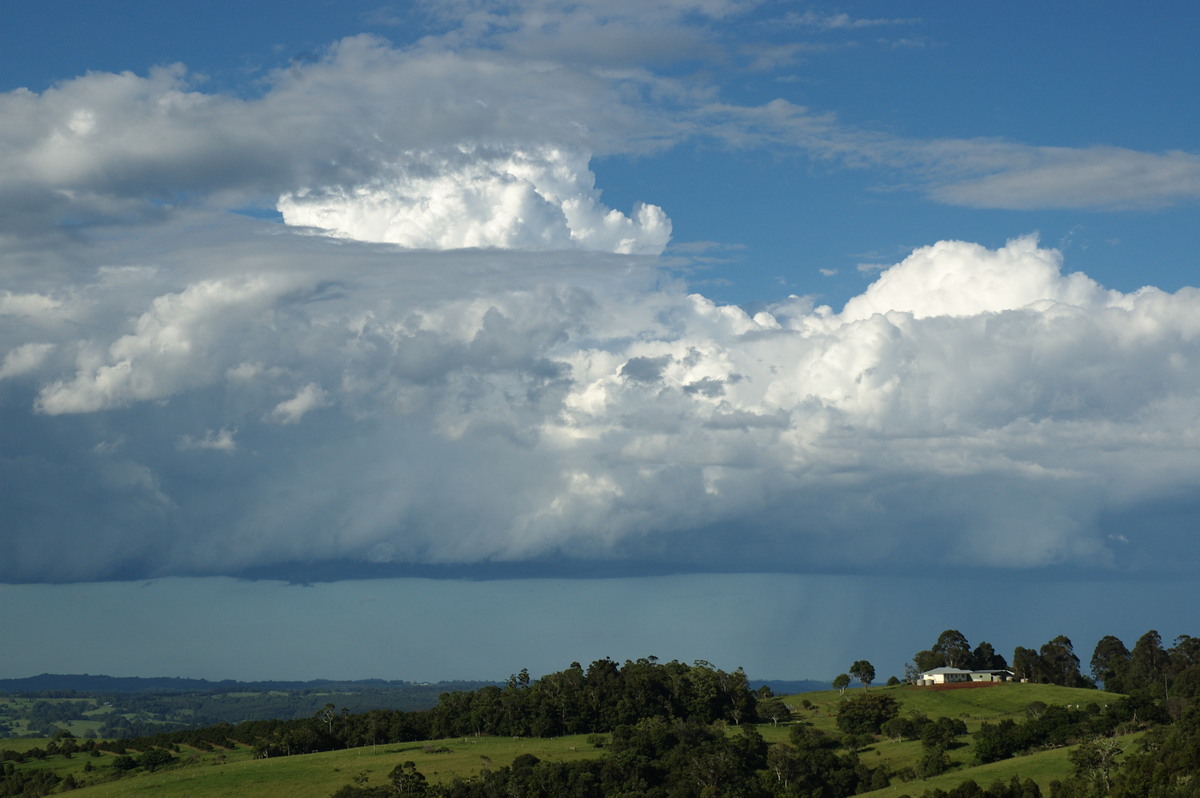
(276,398)
(513,199)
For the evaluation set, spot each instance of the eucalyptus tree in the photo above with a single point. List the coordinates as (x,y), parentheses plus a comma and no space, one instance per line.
(954,648)
(864,672)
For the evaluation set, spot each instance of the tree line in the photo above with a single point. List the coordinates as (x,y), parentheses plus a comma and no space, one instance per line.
(1148,667)
(599,699)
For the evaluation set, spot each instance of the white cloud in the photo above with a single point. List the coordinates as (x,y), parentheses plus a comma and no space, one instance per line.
(24,358)
(955,278)
(543,199)
(175,344)
(27,305)
(812,19)
(980,172)
(220,440)
(310,397)
(490,405)
(1096,177)
(610,34)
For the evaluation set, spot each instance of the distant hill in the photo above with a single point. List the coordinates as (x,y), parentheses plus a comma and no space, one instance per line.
(785,687)
(123,707)
(91,683)
(88,683)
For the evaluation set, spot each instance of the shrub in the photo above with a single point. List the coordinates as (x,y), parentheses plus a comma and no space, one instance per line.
(866,714)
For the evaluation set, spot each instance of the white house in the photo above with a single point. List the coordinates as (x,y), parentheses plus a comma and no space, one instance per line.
(958,675)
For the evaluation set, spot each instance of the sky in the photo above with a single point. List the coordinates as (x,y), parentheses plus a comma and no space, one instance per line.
(440,340)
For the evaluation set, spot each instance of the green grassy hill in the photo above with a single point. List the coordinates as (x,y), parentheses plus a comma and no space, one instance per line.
(973,706)
(236,772)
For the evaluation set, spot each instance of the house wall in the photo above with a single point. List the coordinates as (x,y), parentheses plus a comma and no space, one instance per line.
(954,678)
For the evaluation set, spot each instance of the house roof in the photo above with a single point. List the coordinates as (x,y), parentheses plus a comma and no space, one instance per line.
(948,670)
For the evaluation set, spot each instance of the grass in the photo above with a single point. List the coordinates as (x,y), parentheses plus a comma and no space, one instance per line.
(1043,767)
(1003,699)
(973,706)
(22,744)
(319,775)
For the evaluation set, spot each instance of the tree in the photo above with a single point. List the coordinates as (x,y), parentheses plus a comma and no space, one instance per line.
(927,660)
(773,709)
(898,728)
(866,714)
(985,658)
(1149,664)
(326,714)
(155,758)
(864,672)
(738,696)
(841,682)
(934,760)
(1095,760)
(1110,661)
(124,763)
(1025,665)
(954,648)
(1059,665)
(1185,653)
(409,781)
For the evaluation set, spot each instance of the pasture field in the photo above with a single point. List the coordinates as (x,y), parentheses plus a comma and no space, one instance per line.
(973,706)
(1043,767)
(236,772)
(992,702)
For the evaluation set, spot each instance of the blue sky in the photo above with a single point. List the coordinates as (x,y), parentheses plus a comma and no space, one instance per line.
(475,336)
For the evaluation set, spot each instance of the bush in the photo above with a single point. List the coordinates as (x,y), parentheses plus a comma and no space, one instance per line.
(155,758)
(866,714)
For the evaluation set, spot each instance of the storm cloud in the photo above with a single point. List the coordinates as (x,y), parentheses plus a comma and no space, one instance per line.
(265,398)
(452,352)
